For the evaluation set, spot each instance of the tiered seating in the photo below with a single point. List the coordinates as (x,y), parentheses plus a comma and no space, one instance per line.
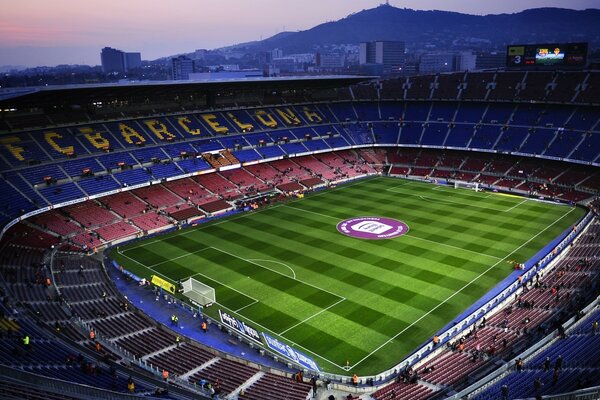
(447,86)
(506,86)
(566,86)
(267,173)
(229,374)
(245,181)
(316,167)
(180,359)
(290,169)
(393,88)
(477,85)
(420,87)
(118,230)
(270,386)
(125,204)
(57,223)
(157,196)
(218,185)
(590,93)
(191,191)
(535,86)
(90,214)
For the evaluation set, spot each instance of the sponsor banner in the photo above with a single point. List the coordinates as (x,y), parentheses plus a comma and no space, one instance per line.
(95,196)
(290,353)
(160,282)
(372,228)
(71,202)
(239,326)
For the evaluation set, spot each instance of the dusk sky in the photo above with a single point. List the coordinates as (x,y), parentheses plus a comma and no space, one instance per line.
(50,32)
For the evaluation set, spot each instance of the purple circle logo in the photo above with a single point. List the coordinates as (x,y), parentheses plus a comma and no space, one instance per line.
(372,227)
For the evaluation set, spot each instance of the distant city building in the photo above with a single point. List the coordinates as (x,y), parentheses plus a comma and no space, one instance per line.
(433,63)
(330,61)
(114,60)
(276,53)
(232,74)
(181,68)
(465,61)
(388,53)
(133,61)
(285,64)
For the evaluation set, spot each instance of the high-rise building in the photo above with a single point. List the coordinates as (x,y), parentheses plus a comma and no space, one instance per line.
(388,53)
(114,60)
(433,63)
(133,61)
(181,68)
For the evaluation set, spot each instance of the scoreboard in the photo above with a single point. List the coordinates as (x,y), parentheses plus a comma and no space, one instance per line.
(547,56)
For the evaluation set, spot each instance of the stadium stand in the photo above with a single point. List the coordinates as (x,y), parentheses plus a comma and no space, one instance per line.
(522,140)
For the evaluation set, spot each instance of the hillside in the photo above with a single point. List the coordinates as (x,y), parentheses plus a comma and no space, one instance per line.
(443,29)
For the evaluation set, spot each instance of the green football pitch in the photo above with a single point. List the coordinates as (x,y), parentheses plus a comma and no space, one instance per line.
(344,301)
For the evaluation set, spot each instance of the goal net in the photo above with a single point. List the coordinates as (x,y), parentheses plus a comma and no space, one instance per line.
(466,185)
(198,292)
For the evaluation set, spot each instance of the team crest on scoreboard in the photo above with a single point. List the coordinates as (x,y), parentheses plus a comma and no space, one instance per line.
(372,227)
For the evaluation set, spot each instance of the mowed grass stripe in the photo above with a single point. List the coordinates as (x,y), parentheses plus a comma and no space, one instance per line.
(483,240)
(388,285)
(280,297)
(363,280)
(344,253)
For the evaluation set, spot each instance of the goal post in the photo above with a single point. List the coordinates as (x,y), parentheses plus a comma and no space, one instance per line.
(467,185)
(198,292)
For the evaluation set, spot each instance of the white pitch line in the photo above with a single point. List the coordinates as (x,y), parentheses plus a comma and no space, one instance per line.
(515,206)
(312,316)
(175,258)
(460,290)
(450,202)
(450,246)
(277,272)
(246,306)
(275,262)
(314,212)
(145,266)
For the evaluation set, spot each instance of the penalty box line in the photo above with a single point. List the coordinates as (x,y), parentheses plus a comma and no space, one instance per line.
(254,300)
(277,272)
(252,321)
(459,290)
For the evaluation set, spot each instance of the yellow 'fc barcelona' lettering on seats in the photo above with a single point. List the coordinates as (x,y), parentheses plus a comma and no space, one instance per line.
(311,115)
(128,133)
(159,129)
(95,138)
(211,120)
(185,122)
(10,142)
(50,138)
(244,126)
(266,119)
(288,116)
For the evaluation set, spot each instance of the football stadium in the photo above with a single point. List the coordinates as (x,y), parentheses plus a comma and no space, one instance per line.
(423,237)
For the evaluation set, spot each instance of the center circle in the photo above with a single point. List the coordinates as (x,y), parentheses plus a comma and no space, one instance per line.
(372,228)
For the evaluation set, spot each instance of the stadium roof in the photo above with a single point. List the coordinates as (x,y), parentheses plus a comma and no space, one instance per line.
(84,93)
